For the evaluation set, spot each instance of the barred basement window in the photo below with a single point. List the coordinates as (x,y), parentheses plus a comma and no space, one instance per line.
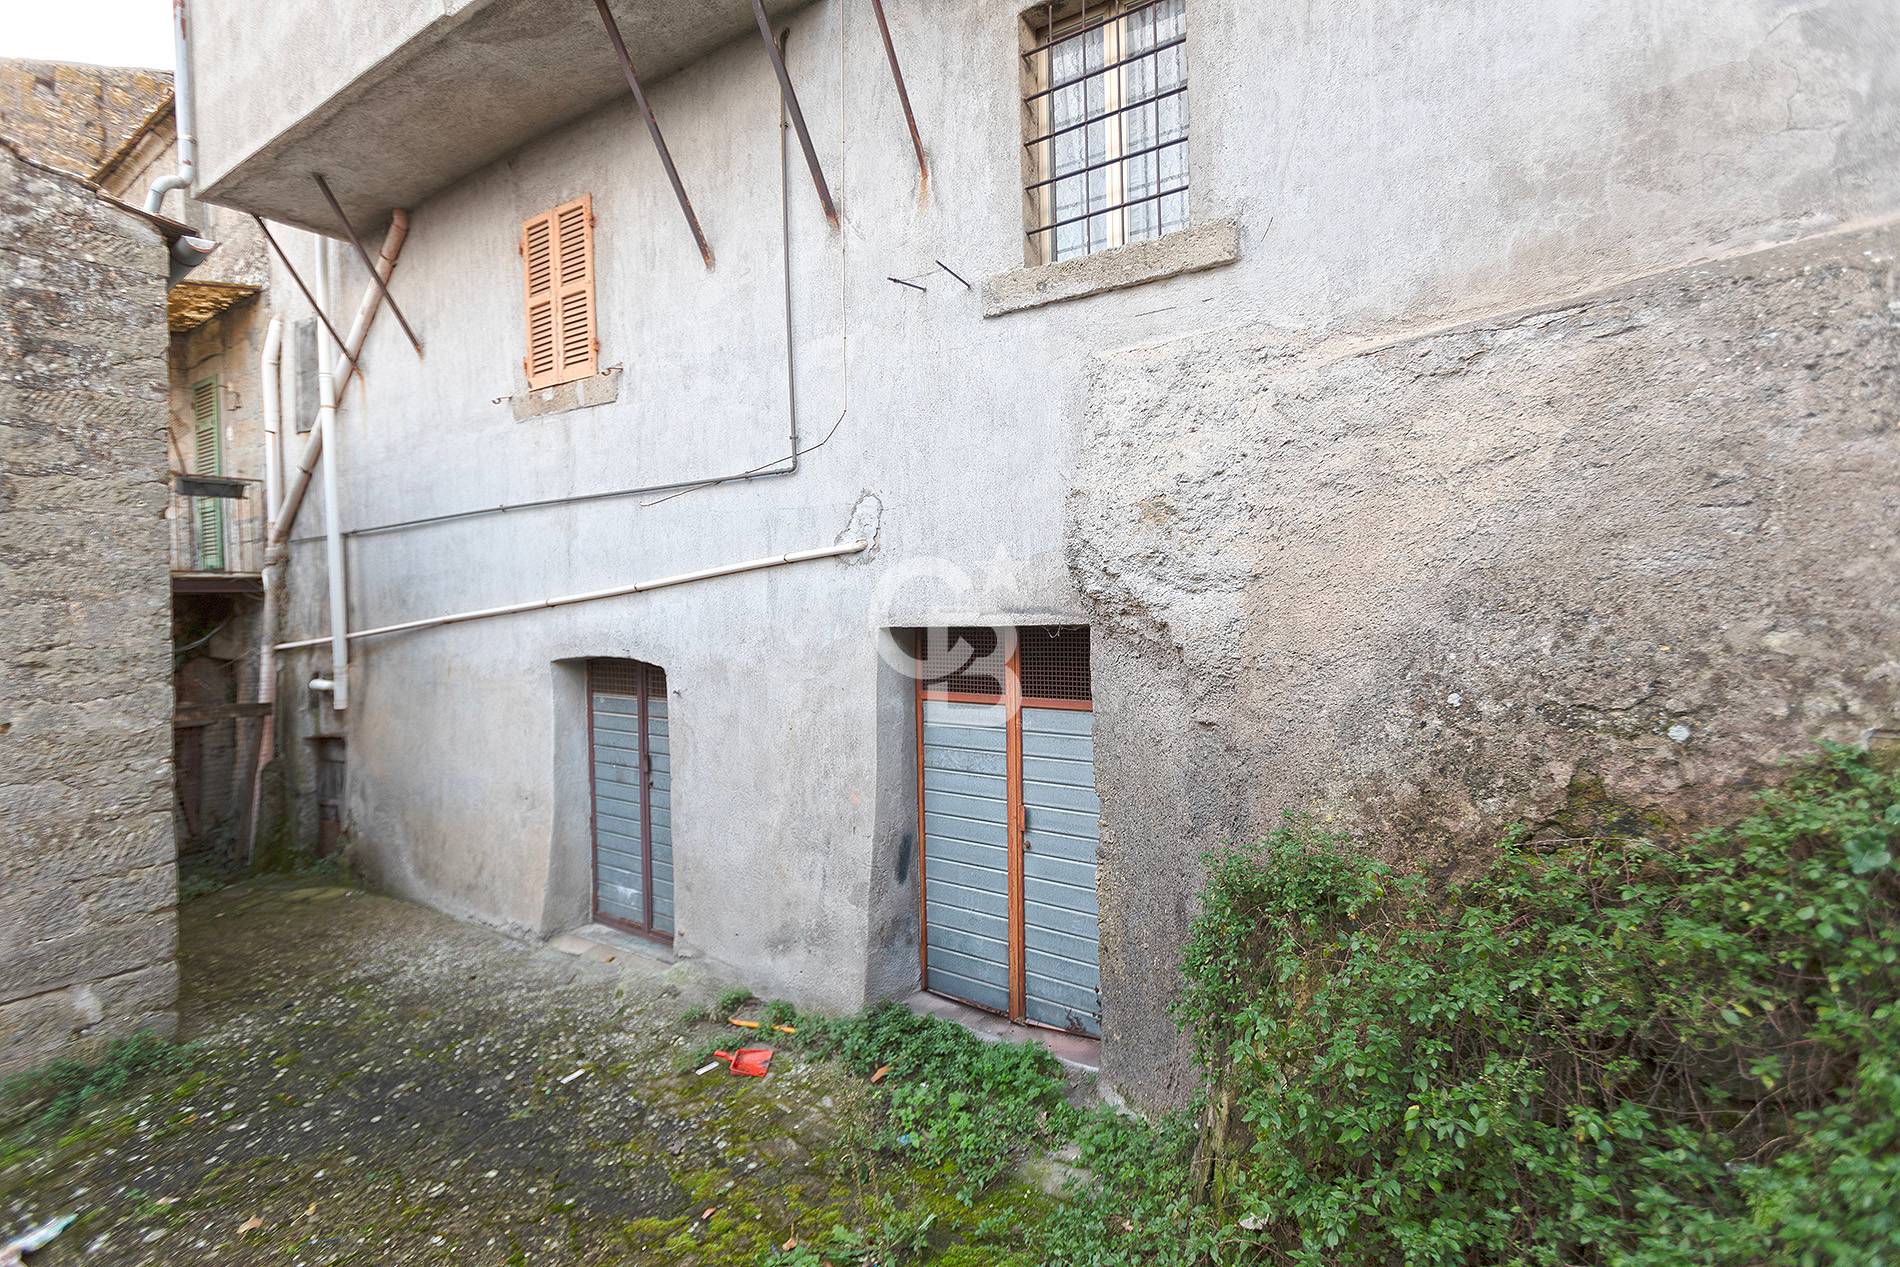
(1105,115)
(557,257)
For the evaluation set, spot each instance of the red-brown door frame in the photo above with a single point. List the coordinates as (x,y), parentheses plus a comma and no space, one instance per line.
(1011,701)
(642,672)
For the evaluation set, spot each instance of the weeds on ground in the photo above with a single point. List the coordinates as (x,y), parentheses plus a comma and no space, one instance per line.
(886,1236)
(1134,1205)
(956,1102)
(46,1098)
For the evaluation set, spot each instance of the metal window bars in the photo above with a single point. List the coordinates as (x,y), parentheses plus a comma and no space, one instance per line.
(1106,121)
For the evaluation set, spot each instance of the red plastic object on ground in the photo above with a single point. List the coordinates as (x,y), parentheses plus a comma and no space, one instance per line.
(747,1061)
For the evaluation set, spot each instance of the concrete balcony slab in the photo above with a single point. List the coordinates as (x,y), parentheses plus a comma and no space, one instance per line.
(393,100)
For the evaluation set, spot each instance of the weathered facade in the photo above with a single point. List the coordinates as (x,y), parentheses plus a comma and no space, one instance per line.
(73,116)
(88,891)
(1505,408)
(218,311)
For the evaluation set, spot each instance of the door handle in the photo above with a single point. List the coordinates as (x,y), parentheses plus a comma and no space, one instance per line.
(1025,816)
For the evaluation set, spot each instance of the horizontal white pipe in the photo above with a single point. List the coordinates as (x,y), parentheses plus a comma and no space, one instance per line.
(566,600)
(353,348)
(322,683)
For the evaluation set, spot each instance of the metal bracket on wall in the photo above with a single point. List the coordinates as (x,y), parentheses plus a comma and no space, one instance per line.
(369,265)
(903,93)
(798,116)
(309,298)
(653,129)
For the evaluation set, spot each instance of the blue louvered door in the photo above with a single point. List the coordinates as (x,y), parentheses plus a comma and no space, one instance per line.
(1061,948)
(1010,827)
(659,803)
(630,759)
(966,852)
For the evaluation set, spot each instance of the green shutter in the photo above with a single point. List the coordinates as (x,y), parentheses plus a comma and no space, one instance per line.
(207,459)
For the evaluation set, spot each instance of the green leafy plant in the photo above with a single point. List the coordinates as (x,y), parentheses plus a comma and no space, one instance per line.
(48,1097)
(731,1001)
(1134,1207)
(955,1101)
(888,1236)
(1605,1050)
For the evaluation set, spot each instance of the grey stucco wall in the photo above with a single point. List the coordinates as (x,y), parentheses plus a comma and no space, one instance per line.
(1303,498)
(1641,542)
(88,891)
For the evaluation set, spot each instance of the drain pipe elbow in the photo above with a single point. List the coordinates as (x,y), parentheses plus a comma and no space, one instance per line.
(183,116)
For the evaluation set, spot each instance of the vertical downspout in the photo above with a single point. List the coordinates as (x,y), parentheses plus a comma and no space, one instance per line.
(332,520)
(353,345)
(273,578)
(184,116)
(273,447)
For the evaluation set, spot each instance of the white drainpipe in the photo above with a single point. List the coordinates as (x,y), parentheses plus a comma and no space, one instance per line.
(182,114)
(332,521)
(273,447)
(273,574)
(353,343)
(853,546)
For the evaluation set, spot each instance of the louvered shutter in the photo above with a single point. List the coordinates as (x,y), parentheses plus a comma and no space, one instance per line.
(557,252)
(207,458)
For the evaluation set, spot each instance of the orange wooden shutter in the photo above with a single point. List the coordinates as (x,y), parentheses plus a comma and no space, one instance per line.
(557,252)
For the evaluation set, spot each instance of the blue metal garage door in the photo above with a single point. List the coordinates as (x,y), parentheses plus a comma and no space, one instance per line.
(966,853)
(660,801)
(1006,785)
(1061,955)
(631,765)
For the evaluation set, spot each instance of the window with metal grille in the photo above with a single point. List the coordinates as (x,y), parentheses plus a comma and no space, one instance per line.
(1105,111)
(557,264)
(1052,661)
(965,660)
(1055,662)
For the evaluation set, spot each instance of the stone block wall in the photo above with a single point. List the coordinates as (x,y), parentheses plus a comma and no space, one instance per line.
(74,115)
(88,886)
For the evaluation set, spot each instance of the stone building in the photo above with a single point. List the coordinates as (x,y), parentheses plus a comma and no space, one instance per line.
(897,569)
(73,116)
(117,127)
(88,891)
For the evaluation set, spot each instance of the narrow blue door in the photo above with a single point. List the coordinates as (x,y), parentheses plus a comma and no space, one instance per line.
(1061,948)
(659,801)
(631,764)
(966,853)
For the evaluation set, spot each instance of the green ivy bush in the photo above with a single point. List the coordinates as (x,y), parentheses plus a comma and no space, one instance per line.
(1597,1051)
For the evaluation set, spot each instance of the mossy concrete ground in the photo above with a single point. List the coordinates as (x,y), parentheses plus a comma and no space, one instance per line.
(372,1082)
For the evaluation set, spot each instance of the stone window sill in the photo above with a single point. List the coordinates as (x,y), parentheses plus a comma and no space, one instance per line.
(583,393)
(1199,247)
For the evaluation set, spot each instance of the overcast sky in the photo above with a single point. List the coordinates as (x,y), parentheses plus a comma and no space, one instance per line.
(108,32)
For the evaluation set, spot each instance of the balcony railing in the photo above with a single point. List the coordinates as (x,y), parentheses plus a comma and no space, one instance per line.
(217,526)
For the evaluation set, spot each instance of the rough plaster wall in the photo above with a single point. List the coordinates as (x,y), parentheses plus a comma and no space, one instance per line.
(87,883)
(1387,165)
(1646,536)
